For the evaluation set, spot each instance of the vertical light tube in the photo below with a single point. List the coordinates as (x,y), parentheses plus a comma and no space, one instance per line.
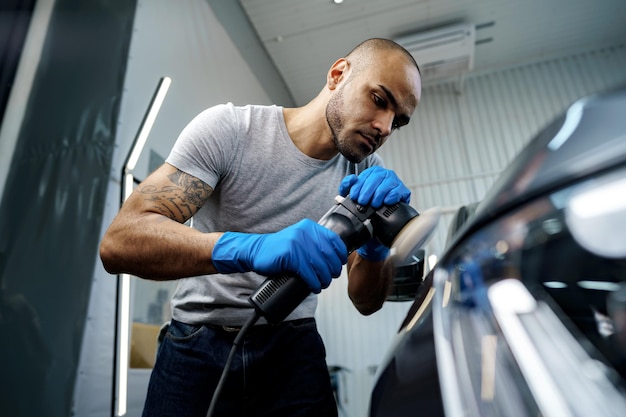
(123,284)
(124,343)
(147,123)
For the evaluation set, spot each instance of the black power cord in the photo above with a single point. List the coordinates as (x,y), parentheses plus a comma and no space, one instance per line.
(236,343)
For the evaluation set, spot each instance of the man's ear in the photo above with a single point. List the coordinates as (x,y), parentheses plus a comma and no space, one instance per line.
(336,73)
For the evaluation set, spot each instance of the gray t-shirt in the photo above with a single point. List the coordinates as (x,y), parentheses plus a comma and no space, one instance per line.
(262,183)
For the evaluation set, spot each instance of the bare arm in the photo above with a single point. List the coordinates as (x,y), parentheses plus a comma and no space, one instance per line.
(369,283)
(148,239)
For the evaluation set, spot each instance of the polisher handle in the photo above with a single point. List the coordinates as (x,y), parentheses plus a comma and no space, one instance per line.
(277,297)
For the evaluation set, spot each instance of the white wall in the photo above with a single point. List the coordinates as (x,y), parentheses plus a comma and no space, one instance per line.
(449,155)
(183,40)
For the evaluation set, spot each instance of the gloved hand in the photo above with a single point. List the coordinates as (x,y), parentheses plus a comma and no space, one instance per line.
(375,187)
(305,249)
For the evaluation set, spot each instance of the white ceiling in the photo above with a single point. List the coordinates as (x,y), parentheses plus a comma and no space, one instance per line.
(304,37)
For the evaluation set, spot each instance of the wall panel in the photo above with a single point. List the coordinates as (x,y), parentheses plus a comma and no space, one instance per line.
(52,207)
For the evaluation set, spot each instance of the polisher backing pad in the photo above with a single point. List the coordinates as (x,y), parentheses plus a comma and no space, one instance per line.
(414,235)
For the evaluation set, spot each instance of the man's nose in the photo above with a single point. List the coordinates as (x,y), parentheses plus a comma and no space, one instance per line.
(384,122)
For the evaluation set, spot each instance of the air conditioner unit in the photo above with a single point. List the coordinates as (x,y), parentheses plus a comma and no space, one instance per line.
(442,53)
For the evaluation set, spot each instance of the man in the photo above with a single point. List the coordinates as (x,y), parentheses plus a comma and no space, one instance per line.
(257,179)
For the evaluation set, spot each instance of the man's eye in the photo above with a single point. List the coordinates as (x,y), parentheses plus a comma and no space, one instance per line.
(380,102)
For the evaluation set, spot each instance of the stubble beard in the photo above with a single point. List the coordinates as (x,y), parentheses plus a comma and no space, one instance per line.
(336,123)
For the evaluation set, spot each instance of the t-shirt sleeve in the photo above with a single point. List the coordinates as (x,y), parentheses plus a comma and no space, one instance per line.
(204,147)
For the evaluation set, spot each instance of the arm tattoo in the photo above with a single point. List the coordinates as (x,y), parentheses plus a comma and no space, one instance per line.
(181,200)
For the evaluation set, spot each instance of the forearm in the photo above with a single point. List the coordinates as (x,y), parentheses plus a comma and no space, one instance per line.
(155,247)
(369,283)
(148,237)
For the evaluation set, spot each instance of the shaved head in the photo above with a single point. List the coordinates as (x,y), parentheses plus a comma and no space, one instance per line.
(366,53)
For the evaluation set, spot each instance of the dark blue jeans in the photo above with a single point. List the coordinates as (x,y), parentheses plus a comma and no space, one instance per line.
(278,371)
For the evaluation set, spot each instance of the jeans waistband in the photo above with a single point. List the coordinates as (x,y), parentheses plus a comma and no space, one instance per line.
(235,329)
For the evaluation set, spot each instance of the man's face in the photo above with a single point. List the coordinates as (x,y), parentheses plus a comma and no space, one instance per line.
(368,106)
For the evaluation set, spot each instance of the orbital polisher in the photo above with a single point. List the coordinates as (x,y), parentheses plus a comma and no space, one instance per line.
(399,227)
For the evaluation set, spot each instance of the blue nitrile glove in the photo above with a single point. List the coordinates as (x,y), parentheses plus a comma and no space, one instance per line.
(375,187)
(305,249)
